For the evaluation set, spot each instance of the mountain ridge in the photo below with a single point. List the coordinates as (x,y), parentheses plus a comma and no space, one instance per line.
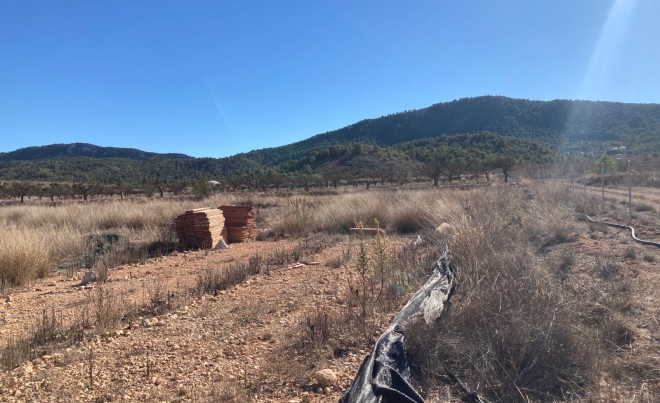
(468,131)
(69,150)
(555,122)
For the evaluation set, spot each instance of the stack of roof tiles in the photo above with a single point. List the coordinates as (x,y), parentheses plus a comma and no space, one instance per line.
(239,221)
(201,228)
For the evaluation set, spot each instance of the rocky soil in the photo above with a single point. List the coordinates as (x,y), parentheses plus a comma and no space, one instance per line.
(237,345)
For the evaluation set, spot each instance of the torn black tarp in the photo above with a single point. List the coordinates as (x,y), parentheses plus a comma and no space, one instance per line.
(384,375)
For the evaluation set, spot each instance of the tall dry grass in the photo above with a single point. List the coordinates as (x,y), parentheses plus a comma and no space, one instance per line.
(398,211)
(36,238)
(514,331)
(24,256)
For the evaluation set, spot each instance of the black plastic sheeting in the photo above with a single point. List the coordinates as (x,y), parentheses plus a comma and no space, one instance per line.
(384,375)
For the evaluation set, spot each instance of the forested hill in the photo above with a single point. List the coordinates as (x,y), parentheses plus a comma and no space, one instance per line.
(467,134)
(558,122)
(81,150)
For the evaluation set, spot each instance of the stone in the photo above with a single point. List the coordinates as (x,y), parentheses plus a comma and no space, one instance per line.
(266,336)
(89,277)
(325,377)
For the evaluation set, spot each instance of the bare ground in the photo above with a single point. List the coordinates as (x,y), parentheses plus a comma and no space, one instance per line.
(215,348)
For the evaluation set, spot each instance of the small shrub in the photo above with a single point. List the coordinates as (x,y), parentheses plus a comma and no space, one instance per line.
(102,274)
(340,259)
(47,330)
(210,281)
(630,253)
(607,268)
(24,256)
(511,331)
(255,264)
(507,334)
(641,207)
(107,313)
(16,351)
(229,392)
(617,335)
(597,227)
(566,262)
(560,232)
(318,328)
(649,258)
(411,219)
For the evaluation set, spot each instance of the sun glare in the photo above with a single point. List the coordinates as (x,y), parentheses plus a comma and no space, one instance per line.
(608,47)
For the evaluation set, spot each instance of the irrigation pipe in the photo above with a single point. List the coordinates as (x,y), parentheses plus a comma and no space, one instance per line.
(621,226)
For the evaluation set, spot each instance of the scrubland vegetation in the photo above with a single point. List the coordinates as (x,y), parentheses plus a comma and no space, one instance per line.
(531,318)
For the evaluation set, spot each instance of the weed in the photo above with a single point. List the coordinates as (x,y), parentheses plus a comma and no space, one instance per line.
(47,330)
(510,331)
(24,256)
(630,253)
(210,281)
(160,300)
(102,273)
(617,334)
(318,327)
(566,263)
(107,313)
(641,207)
(16,351)
(230,392)
(597,227)
(607,268)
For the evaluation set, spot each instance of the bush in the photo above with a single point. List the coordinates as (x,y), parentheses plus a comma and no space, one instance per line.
(641,207)
(630,253)
(24,256)
(512,331)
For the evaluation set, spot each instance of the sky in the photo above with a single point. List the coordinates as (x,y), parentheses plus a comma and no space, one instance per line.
(216,78)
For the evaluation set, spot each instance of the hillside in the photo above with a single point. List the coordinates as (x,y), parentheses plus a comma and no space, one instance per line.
(81,150)
(469,131)
(558,122)
(121,170)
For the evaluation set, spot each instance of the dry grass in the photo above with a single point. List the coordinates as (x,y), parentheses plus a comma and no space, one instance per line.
(399,212)
(42,335)
(513,332)
(38,238)
(24,256)
(516,330)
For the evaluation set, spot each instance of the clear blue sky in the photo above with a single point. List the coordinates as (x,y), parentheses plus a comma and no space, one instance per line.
(214,78)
